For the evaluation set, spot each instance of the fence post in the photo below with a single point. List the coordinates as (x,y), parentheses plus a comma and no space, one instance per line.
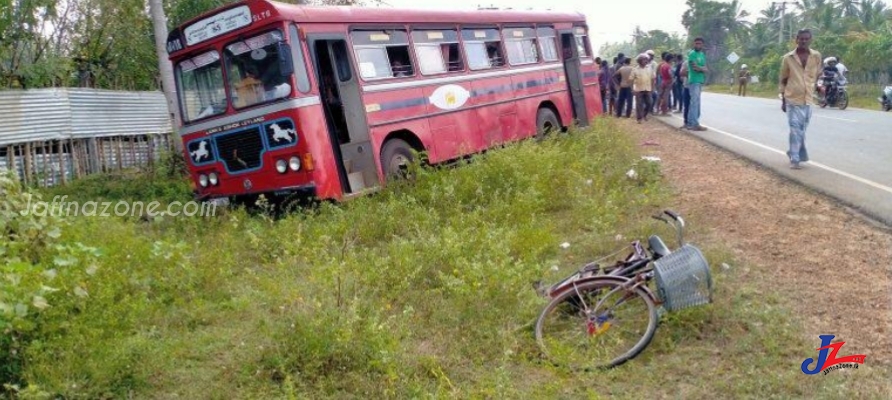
(133,161)
(75,158)
(27,167)
(93,155)
(119,151)
(60,149)
(46,166)
(10,159)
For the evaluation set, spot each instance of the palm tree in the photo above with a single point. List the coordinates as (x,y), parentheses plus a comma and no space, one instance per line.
(738,26)
(848,7)
(820,15)
(872,14)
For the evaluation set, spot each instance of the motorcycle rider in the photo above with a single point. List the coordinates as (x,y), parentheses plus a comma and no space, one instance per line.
(830,79)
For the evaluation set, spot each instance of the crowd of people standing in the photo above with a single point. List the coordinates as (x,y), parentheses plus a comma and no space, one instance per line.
(676,82)
(671,84)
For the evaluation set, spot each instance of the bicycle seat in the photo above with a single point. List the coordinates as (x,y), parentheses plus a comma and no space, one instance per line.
(657,246)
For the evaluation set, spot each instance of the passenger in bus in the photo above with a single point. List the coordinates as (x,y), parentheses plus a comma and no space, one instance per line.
(492,51)
(400,70)
(568,53)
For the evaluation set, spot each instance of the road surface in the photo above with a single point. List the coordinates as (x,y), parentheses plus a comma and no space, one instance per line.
(850,150)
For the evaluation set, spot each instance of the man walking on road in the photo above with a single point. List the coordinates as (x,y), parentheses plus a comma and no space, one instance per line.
(800,69)
(696,78)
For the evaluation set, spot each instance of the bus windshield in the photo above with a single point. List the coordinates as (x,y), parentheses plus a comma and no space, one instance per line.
(202,93)
(253,70)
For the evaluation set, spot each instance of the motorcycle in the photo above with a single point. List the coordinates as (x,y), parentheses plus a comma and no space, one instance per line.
(835,94)
(886,100)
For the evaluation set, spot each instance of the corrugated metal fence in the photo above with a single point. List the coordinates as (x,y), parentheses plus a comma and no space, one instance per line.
(50,136)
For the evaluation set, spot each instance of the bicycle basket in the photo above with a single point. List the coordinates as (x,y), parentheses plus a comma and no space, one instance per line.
(683,279)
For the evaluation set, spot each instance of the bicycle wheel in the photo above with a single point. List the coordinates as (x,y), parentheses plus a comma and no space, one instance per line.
(596,324)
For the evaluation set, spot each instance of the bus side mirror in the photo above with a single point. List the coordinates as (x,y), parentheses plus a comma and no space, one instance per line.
(286,65)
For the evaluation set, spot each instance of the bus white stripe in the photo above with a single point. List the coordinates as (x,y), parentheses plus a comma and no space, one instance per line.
(459,78)
(259,112)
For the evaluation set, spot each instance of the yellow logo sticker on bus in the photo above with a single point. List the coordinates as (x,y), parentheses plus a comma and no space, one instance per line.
(580,31)
(479,34)
(372,107)
(449,97)
(379,37)
(435,35)
(518,33)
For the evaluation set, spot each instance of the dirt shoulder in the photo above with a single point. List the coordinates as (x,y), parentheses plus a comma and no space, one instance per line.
(832,266)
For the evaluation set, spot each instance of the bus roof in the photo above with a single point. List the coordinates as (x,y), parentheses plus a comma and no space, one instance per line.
(369,15)
(390,15)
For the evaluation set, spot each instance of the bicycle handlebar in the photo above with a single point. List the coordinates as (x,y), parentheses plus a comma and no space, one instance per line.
(678,224)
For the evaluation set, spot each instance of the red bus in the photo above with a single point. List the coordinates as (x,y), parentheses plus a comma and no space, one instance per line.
(280,99)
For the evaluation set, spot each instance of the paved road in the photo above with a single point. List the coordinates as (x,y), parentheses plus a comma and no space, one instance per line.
(850,150)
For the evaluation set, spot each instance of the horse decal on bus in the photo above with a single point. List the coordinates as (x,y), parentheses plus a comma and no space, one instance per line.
(201,152)
(281,134)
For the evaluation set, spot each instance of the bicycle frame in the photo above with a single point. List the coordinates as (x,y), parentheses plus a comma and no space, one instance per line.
(632,272)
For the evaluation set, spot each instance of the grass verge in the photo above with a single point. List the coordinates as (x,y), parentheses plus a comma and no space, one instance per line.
(422,290)
(860,96)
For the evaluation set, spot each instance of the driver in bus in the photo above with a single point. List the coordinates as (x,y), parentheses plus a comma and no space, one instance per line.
(248,90)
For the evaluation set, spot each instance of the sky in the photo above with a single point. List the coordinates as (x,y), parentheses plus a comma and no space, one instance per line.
(608,21)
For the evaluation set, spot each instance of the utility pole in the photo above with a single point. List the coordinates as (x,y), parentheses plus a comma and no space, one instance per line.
(159,22)
(783,10)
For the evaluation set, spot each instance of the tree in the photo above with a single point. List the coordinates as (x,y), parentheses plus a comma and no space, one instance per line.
(715,22)
(658,41)
(25,42)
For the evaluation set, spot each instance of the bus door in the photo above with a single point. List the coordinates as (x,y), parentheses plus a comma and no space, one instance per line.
(344,112)
(570,55)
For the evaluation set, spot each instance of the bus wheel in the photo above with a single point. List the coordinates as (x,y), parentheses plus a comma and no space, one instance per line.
(396,155)
(546,123)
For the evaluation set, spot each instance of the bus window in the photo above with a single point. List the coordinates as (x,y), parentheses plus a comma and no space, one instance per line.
(202,93)
(581,41)
(546,40)
(383,54)
(483,48)
(303,81)
(253,70)
(520,44)
(437,51)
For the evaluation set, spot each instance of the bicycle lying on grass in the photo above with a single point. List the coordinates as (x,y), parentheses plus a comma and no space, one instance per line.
(604,316)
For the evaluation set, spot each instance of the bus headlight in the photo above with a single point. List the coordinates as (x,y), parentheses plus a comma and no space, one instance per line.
(203,180)
(294,163)
(281,166)
(213,179)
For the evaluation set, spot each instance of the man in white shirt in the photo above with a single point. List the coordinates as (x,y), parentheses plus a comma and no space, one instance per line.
(842,70)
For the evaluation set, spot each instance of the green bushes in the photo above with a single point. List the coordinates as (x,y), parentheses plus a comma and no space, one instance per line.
(40,276)
(424,287)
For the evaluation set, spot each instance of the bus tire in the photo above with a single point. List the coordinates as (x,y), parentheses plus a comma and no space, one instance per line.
(396,155)
(546,123)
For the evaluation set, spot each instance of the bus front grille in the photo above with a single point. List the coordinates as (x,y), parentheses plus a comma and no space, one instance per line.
(241,151)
